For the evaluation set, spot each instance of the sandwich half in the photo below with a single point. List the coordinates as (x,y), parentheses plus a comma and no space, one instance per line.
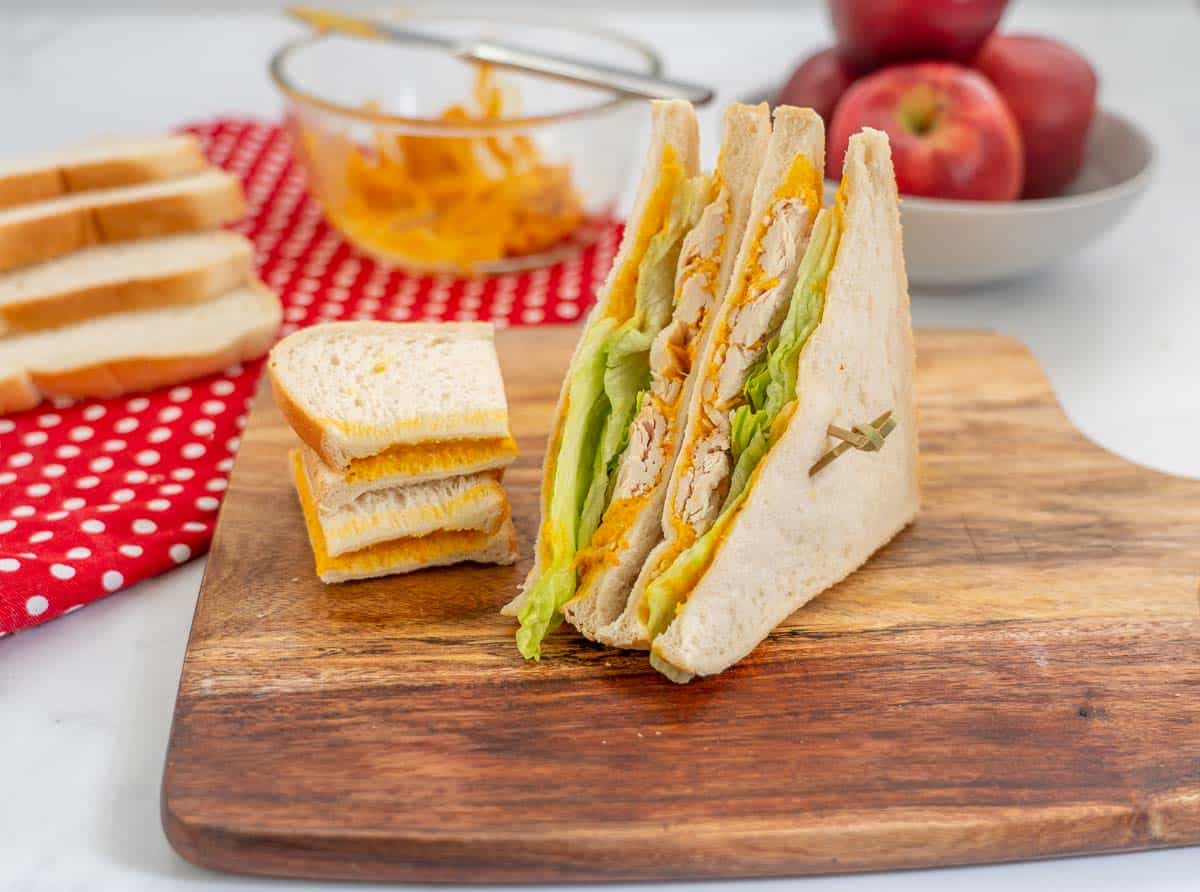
(609,373)
(631,523)
(787,198)
(822,445)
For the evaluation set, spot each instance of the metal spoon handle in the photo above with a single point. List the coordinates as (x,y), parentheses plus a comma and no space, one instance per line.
(591,73)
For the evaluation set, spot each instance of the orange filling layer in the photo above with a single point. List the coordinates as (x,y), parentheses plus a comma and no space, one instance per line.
(450,456)
(622,299)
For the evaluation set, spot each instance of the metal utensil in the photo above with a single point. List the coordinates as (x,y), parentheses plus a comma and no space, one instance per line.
(507,55)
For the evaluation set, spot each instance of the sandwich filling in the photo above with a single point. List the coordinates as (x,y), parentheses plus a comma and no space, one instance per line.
(654,431)
(470,502)
(433,458)
(607,385)
(749,395)
(384,556)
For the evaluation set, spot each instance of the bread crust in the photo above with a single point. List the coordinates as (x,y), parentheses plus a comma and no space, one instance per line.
(176,157)
(30,186)
(173,157)
(128,374)
(18,393)
(69,305)
(115,216)
(307,428)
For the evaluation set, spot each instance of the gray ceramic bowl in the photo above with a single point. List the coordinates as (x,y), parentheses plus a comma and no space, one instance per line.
(958,243)
(963,243)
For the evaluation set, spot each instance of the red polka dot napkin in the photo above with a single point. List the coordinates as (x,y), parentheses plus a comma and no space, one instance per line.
(97,495)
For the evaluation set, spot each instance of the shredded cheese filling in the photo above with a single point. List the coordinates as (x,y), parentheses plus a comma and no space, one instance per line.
(447,202)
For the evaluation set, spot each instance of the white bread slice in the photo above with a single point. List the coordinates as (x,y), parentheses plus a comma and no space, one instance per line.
(100,165)
(797,535)
(351,390)
(673,127)
(34,233)
(139,350)
(122,277)
(796,134)
(475,502)
(405,466)
(400,555)
(705,266)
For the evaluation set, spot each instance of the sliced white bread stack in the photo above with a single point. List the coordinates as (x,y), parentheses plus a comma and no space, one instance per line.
(404,431)
(115,276)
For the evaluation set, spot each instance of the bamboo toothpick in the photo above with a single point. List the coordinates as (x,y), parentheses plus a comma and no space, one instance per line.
(864,437)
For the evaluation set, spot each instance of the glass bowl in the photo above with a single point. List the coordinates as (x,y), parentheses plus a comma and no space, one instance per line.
(368,123)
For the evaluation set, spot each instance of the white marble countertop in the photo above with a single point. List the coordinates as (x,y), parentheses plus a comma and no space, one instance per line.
(85,702)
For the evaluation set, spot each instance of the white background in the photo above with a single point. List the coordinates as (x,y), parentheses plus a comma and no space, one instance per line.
(85,702)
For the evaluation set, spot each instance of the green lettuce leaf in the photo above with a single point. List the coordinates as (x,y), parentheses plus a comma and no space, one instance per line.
(771,384)
(587,410)
(606,387)
(770,387)
(627,370)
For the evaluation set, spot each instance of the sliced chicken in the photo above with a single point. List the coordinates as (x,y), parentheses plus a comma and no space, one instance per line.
(643,465)
(703,486)
(643,461)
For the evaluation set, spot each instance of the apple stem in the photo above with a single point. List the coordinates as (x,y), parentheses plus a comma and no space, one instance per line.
(919,111)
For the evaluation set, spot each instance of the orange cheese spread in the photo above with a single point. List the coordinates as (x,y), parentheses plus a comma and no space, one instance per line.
(433,457)
(622,295)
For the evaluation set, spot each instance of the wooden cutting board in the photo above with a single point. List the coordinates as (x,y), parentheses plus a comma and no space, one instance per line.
(1016,676)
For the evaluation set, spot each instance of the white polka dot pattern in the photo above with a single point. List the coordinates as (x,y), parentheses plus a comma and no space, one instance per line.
(99,494)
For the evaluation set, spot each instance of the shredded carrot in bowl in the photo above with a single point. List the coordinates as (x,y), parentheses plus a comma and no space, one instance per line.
(447,202)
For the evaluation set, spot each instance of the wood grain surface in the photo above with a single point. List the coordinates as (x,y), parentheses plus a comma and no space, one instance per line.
(1015,676)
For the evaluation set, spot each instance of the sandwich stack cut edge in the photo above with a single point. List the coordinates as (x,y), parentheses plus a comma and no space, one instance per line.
(404,439)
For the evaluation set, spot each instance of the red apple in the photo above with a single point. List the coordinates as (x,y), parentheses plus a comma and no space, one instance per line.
(818,83)
(872,33)
(1051,90)
(952,135)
